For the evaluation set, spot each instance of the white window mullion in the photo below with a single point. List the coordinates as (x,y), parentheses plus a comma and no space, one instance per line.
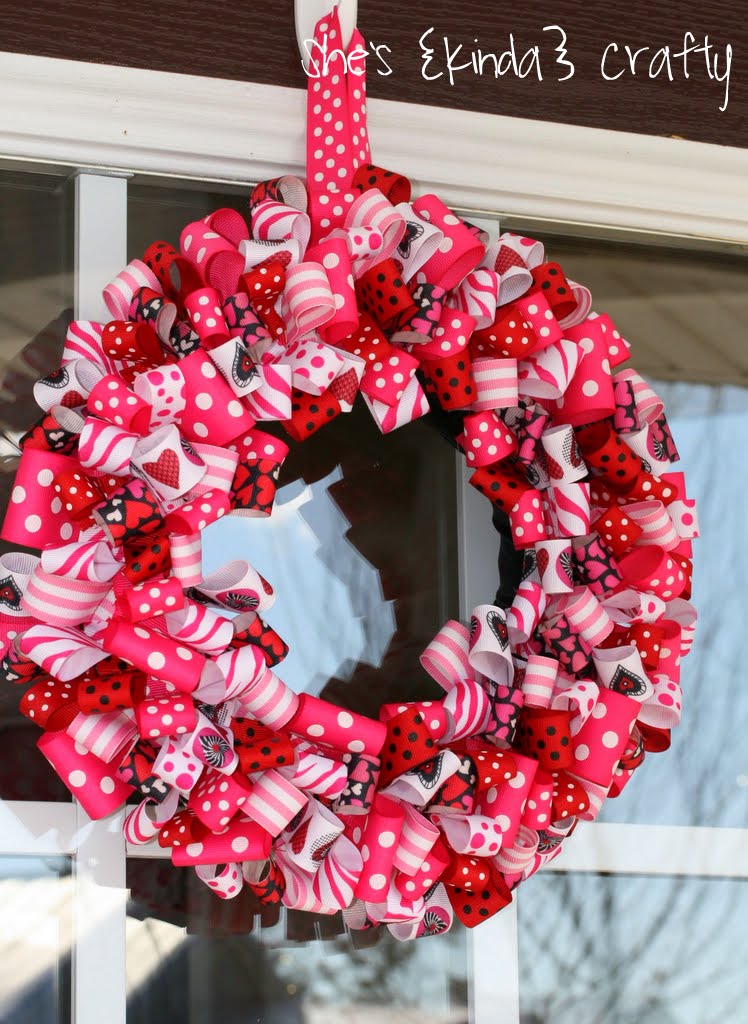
(100,240)
(37,828)
(493,978)
(493,946)
(100,901)
(655,850)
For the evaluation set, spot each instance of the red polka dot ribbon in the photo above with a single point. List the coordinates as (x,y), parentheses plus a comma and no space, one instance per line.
(160,687)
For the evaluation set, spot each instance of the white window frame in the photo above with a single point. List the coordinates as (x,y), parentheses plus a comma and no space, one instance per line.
(110,122)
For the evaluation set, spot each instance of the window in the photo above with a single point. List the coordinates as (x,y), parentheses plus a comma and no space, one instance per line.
(393,538)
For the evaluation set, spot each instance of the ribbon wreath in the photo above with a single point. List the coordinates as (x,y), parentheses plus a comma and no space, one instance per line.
(149,694)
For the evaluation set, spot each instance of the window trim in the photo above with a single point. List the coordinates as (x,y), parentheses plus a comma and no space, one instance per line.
(114,118)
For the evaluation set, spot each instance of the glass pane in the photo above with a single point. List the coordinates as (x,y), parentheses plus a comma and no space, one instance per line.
(196,962)
(36,298)
(682,310)
(614,950)
(361,550)
(35,940)
(156,211)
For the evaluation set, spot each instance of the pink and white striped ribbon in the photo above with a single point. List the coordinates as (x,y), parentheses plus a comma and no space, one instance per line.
(61,601)
(108,736)
(274,221)
(83,341)
(515,859)
(587,616)
(478,295)
(308,301)
(186,558)
(315,773)
(417,839)
(85,560)
(446,657)
(496,383)
(653,519)
(270,701)
(200,627)
(547,374)
(411,406)
(526,611)
(338,875)
(220,466)
(272,399)
(539,681)
(468,710)
(239,669)
(372,210)
(570,508)
(145,821)
(105,447)
(649,405)
(119,294)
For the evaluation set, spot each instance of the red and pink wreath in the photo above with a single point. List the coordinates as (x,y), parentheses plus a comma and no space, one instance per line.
(157,687)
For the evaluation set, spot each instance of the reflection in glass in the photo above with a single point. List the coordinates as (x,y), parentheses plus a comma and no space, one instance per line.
(618,950)
(185,969)
(36,283)
(361,550)
(35,940)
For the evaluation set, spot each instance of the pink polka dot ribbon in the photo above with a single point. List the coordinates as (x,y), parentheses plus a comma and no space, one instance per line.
(331,160)
(457,254)
(91,780)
